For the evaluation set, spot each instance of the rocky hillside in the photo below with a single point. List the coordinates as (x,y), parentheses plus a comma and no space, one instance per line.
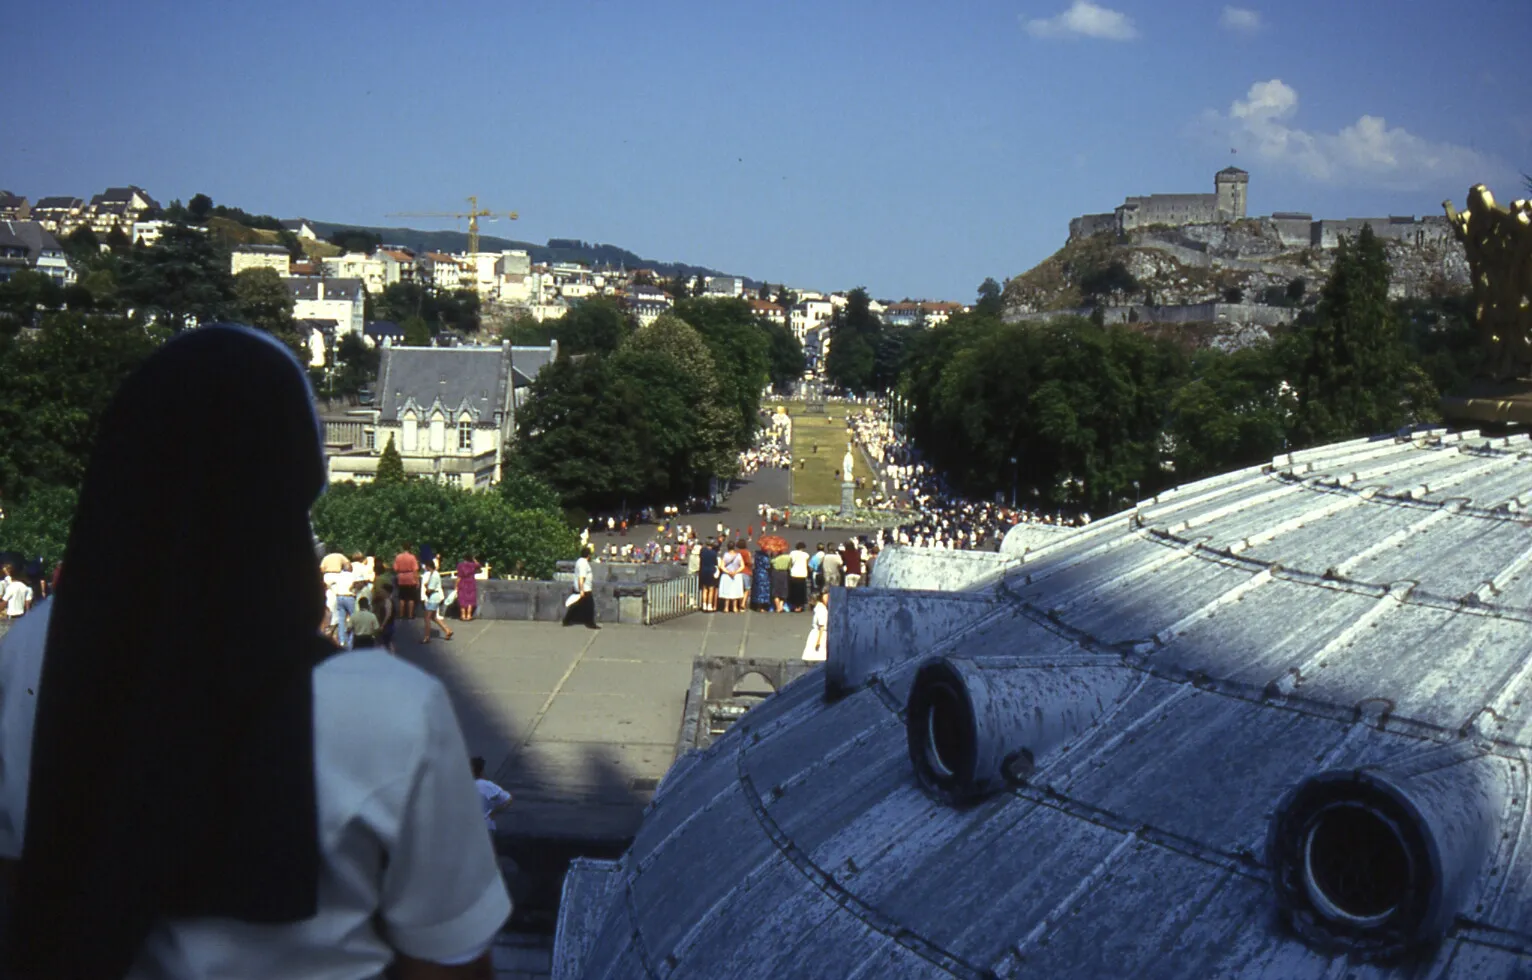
(1210,263)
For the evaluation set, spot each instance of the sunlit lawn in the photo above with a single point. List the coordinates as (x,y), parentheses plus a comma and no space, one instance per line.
(816,475)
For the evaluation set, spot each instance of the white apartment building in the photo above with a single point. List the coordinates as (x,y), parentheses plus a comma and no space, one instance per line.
(244,257)
(365,268)
(342,301)
(809,314)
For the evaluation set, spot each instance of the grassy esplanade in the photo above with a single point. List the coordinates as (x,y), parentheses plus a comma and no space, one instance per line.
(817,484)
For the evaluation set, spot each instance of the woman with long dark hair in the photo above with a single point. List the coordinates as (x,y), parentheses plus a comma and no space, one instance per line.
(213,802)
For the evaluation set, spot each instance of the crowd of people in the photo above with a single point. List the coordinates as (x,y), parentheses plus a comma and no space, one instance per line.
(365,603)
(941,518)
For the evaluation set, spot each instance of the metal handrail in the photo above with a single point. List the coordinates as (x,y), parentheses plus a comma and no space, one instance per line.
(667,600)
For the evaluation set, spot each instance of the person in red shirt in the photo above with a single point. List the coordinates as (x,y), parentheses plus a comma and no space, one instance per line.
(851,555)
(407,582)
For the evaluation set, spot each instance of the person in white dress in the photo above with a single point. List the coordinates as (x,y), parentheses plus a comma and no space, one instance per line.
(819,635)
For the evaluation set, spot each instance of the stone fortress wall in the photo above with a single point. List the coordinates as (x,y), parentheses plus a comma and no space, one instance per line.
(1227,204)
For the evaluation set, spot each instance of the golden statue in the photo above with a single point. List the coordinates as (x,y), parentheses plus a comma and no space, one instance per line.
(1499,245)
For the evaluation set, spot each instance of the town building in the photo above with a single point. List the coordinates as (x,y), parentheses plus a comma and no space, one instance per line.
(147,233)
(28,245)
(726,286)
(60,215)
(273,257)
(810,314)
(301,227)
(120,207)
(342,301)
(450,412)
(646,303)
(366,269)
(14,207)
(382,333)
(769,311)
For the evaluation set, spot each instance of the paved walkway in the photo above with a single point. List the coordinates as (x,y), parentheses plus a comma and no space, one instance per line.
(580,725)
(741,510)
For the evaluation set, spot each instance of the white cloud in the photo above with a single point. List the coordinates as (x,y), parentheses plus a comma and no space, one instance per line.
(1240,20)
(1085,19)
(1368,151)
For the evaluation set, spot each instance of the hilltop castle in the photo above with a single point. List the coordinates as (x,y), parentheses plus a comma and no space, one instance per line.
(1227,204)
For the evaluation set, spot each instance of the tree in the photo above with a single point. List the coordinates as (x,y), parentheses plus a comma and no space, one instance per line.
(355,239)
(523,490)
(199,207)
(184,280)
(1356,378)
(1107,280)
(263,300)
(416,332)
(54,388)
(38,527)
(740,350)
(378,519)
(990,298)
(593,326)
(82,246)
(25,297)
(289,240)
(785,297)
(524,329)
(357,365)
(785,354)
(577,431)
(854,335)
(390,465)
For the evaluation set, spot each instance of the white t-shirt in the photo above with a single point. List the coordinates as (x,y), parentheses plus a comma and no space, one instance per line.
(491,795)
(800,563)
(399,825)
(582,582)
(17,595)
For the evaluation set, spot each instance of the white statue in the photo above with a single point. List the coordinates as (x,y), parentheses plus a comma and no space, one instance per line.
(845,466)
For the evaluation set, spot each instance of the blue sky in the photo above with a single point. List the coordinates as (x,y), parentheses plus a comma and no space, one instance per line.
(907,146)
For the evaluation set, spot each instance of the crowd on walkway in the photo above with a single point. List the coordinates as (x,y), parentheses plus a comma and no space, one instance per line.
(364,603)
(942,518)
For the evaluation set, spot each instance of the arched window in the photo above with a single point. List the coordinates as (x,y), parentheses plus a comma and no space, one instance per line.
(411,432)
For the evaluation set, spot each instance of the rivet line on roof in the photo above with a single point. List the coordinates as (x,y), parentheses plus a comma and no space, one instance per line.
(1018,953)
(869,916)
(640,948)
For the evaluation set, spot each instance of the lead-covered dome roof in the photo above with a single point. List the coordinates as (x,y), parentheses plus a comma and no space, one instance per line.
(1357,616)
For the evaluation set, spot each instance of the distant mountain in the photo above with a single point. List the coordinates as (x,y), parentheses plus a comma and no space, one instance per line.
(557,249)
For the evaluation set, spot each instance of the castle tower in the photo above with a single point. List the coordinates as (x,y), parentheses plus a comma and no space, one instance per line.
(1230,185)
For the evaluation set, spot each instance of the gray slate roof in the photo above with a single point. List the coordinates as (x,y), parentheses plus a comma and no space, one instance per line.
(307,287)
(29,235)
(58,204)
(1341,606)
(477,378)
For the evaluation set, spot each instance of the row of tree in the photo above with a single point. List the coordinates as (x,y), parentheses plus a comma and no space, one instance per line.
(516,531)
(1094,415)
(647,415)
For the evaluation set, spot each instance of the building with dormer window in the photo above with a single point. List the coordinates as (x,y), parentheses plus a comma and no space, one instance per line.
(449,410)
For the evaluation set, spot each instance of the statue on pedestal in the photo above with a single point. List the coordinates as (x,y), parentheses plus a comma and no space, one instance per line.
(845,466)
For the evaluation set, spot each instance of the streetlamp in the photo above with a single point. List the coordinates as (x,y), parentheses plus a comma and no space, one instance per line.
(1013,483)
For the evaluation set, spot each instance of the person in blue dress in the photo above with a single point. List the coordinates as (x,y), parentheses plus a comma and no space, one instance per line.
(760,581)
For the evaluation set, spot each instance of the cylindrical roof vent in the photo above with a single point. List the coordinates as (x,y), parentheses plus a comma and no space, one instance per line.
(974,727)
(1375,862)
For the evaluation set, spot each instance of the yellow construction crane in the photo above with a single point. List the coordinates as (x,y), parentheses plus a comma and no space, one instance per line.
(473,214)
